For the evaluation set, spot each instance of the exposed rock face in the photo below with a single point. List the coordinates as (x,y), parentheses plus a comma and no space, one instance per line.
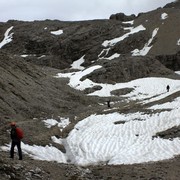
(128,45)
(122,17)
(170,61)
(129,68)
(29,91)
(78,39)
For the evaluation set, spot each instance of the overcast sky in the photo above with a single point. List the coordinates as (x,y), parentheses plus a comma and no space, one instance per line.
(73,9)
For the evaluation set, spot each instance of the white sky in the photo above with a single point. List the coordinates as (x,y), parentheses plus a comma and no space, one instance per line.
(73,9)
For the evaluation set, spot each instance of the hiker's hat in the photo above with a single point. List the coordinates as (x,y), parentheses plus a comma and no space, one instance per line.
(13,123)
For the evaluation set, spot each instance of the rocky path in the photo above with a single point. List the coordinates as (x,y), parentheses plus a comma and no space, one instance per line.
(33,169)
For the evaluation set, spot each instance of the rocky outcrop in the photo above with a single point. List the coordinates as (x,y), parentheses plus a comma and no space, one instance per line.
(122,17)
(125,69)
(175,4)
(170,61)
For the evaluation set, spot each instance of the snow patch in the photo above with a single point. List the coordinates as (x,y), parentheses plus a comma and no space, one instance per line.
(116,55)
(58,32)
(76,76)
(112,42)
(42,56)
(56,140)
(77,64)
(61,123)
(164,16)
(178,42)
(47,153)
(7,37)
(128,22)
(146,48)
(177,72)
(24,55)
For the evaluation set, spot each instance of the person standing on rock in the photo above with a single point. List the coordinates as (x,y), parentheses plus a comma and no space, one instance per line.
(16,136)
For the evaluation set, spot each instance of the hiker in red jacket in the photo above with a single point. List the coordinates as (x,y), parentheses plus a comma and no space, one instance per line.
(16,141)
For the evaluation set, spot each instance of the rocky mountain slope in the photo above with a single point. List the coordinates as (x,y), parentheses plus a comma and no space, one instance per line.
(37,39)
(127,48)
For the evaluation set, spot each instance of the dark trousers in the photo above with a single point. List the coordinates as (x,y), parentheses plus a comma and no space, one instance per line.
(18,144)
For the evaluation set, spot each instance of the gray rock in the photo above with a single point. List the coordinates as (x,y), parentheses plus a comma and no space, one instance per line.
(122,17)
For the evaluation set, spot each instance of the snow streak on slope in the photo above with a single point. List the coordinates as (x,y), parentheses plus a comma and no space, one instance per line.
(129,22)
(146,48)
(104,51)
(116,40)
(77,64)
(178,42)
(7,37)
(76,76)
(168,105)
(111,43)
(116,55)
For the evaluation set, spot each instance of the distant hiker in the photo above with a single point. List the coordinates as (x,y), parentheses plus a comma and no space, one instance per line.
(108,103)
(16,136)
(168,87)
